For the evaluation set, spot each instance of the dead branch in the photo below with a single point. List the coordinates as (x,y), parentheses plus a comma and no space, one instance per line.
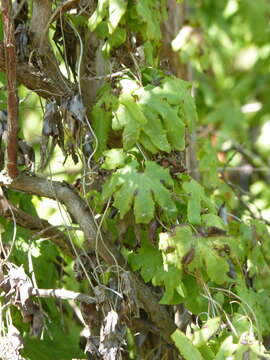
(78,209)
(12,101)
(63,294)
(37,80)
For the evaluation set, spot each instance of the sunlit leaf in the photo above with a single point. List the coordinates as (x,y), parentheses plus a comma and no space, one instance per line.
(213,220)
(98,14)
(114,158)
(117,9)
(185,346)
(208,329)
(128,185)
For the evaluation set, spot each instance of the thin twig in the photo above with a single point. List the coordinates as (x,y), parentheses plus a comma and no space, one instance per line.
(12,103)
(63,295)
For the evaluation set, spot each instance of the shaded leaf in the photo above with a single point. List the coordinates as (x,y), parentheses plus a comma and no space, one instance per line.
(101,125)
(208,164)
(150,18)
(170,278)
(101,116)
(140,261)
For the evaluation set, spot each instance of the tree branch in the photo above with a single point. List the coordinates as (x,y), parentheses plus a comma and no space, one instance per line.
(38,80)
(78,209)
(12,101)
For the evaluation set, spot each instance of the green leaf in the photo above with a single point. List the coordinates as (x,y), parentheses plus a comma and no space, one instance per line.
(226,349)
(117,38)
(101,116)
(124,119)
(61,347)
(170,277)
(174,127)
(155,131)
(117,9)
(150,18)
(114,158)
(207,352)
(98,14)
(189,111)
(201,336)
(140,261)
(144,206)
(146,141)
(129,116)
(195,192)
(128,185)
(177,91)
(176,247)
(216,266)
(101,122)
(173,89)
(133,108)
(185,346)
(152,115)
(213,220)
(194,302)
(196,198)
(208,164)
(148,52)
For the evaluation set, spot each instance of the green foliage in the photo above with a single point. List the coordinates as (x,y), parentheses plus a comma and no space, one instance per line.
(187,350)
(144,189)
(114,158)
(201,239)
(155,116)
(196,198)
(140,261)
(67,348)
(102,118)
